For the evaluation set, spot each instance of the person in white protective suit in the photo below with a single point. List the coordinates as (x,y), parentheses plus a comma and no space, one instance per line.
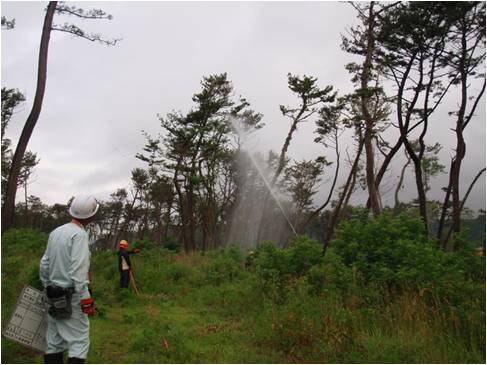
(64,272)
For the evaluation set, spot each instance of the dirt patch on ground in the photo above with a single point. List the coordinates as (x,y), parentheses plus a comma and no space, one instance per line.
(152,311)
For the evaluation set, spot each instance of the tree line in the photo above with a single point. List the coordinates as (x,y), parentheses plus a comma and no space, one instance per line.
(411,57)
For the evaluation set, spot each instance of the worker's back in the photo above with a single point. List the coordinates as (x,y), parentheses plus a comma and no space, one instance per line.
(63,271)
(61,258)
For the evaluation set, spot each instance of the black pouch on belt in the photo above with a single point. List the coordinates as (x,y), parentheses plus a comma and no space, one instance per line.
(59,300)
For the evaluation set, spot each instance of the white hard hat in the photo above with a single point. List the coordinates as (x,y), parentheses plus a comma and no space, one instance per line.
(83,207)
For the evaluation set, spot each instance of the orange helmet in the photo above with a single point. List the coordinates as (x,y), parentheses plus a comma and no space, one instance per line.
(123,244)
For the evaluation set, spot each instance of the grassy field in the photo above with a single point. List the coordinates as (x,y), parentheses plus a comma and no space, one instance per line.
(208,308)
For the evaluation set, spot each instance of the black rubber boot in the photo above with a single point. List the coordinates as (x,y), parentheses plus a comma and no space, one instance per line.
(57,358)
(75,360)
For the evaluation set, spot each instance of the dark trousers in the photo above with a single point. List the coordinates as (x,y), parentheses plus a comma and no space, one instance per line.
(58,358)
(124,278)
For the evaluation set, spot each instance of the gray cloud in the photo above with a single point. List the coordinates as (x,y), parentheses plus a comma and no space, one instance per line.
(99,99)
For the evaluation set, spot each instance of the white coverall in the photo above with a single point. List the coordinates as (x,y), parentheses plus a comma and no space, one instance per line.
(66,263)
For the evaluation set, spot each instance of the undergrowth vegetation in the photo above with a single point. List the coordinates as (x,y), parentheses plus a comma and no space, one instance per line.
(383,293)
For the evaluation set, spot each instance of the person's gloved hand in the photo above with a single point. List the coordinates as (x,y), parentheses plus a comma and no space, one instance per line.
(88,306)
(136,250)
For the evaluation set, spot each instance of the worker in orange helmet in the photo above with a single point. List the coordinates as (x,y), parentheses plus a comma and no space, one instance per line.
(124,265)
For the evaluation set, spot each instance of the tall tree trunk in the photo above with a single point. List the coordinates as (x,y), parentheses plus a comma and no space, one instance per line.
(369,121)
(334,218)
(282,162)
(472,184)
(125,227)
(404,124)
(385,165)
(115,230)
(208,223)
(8,208)
(302,226)
(461,147)
(444,210)
(351,189)
(145,225)
(423,211)
(26,205)
(399,185)
(465,69)
(460,153)
(184,224)
(167,221)
(190,212)
(403,130)
(182,207)
(287,142)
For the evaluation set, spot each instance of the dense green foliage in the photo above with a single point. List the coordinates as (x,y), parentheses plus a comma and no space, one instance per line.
(395,252)
(381,294)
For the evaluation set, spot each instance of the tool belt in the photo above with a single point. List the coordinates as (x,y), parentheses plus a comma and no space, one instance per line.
(59,300)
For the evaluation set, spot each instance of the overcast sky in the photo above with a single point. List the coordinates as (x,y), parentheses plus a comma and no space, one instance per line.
(98,99)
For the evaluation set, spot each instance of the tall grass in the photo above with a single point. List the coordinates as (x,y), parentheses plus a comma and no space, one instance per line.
(290,306)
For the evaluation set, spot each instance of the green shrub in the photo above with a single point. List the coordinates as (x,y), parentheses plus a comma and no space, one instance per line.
(282,265)
(224,265)
(172,244)
(388,250)
(143,244)
(332,275)
(395,254)
(303,254)
(147,244)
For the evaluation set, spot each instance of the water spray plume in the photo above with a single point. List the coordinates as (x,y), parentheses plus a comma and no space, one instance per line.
(236,124)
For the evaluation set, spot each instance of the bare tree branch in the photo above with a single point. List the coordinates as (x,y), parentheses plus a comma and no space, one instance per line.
(463,202)
(470,115)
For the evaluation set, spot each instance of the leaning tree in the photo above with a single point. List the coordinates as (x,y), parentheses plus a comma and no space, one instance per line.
(53,8)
